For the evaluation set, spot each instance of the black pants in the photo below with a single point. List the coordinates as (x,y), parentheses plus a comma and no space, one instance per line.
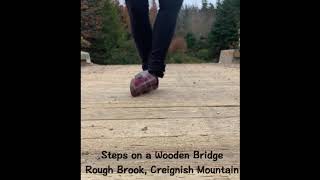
(153,44)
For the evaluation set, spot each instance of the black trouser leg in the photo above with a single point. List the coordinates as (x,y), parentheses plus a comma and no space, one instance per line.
(153,45)
(162,34)
(141,28)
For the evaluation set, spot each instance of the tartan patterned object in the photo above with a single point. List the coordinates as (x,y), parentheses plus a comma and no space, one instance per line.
(142,83)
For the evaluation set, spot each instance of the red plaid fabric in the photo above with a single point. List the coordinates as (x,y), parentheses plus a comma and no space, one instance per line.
(142,83)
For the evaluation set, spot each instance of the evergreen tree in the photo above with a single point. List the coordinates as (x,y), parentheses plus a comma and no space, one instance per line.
(224,33)
(190,40)
(204,5)
(110,35)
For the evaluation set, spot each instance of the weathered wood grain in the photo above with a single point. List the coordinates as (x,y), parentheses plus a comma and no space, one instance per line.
(197,107)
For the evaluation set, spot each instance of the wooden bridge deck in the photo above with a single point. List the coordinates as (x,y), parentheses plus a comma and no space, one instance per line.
(195,108)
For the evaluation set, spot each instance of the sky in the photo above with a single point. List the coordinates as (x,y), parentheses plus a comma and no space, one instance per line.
(190,2)
(197,2)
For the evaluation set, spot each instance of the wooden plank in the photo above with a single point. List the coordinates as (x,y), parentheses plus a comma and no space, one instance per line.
(227,145)
(121,113)
(159,127)
(120,97)
(196,108)
(210,86)
(158,177)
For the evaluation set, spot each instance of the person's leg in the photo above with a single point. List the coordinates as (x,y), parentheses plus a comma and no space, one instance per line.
(141,28)
(163,31)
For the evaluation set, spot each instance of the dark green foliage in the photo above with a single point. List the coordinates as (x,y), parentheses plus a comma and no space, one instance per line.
(191,40)
(224,33)
(111,35)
